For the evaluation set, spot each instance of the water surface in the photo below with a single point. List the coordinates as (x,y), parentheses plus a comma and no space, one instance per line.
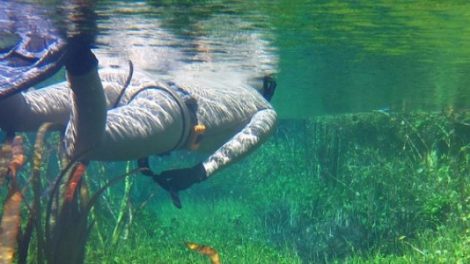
(333,56)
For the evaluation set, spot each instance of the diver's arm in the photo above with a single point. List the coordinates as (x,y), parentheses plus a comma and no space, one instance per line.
(249,138)
(88,118)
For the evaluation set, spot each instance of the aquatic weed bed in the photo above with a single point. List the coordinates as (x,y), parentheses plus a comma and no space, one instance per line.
(354,188)
(351,188)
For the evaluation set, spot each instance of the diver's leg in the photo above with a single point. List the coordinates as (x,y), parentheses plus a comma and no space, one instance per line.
(27,111)
(11,109)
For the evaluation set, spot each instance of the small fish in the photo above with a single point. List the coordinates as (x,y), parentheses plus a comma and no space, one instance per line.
(205,250)
(384,110)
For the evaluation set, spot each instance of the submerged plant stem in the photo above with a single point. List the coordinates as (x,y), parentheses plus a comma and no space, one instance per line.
(11,219)
(118,228)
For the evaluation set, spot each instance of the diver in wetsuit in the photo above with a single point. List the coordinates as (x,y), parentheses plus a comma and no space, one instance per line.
(118,115)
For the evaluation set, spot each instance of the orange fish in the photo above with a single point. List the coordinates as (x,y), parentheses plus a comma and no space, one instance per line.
(211,253)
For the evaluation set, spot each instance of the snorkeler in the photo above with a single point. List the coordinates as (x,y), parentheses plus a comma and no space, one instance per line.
(113,114)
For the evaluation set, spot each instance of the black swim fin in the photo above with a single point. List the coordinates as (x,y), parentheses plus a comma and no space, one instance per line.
(175,199)
(34,51)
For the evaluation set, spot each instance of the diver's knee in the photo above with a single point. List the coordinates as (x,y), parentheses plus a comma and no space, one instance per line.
(11,110)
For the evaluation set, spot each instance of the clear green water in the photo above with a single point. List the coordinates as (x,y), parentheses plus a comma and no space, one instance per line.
(334,56)
(362,187)
(358,56)
(341,56)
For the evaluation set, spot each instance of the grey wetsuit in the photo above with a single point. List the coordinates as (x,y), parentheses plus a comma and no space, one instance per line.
(152,117)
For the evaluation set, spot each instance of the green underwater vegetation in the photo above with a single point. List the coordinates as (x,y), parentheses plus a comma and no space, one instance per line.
(377,187)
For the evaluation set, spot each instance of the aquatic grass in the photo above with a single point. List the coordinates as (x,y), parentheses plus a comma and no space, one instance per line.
(62,228)
(124,211)
(11,218)
(444,245)
(67,232)
(352,184)
(229,226)
(357,188)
